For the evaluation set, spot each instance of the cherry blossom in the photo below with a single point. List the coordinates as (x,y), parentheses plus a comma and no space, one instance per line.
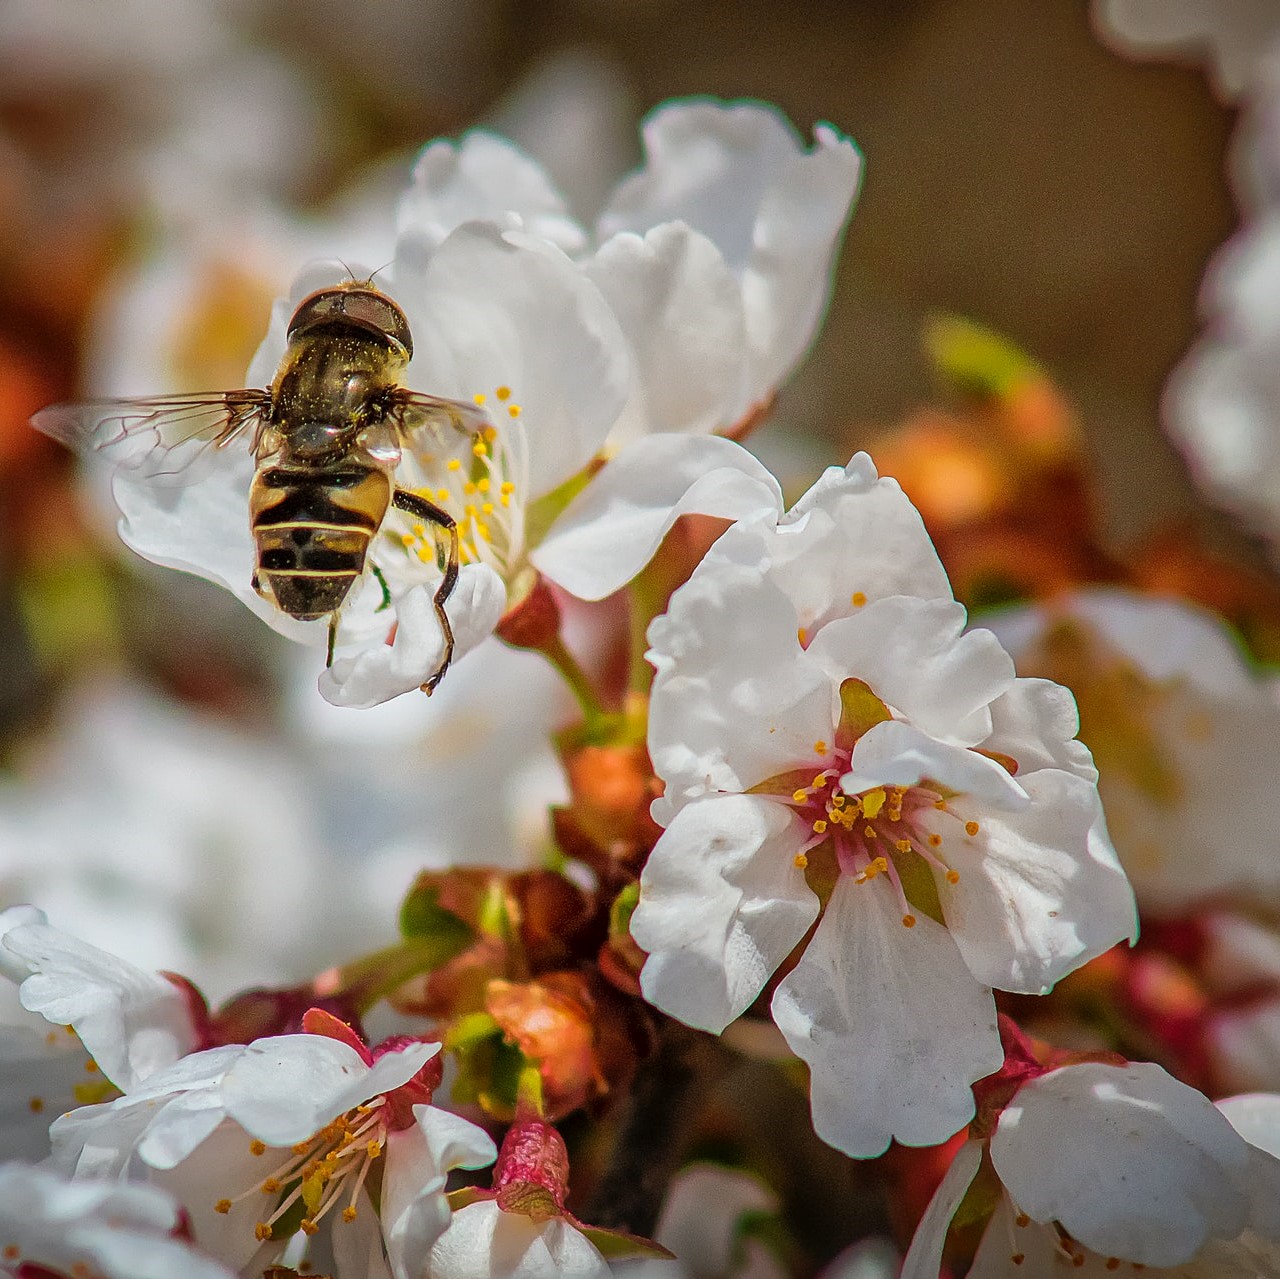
(242,1134)
(1144,1173)
(836,747)
(1182,730)
(716,255)
(51,1226)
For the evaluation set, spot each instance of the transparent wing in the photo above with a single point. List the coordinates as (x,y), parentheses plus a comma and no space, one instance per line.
(424,420)
(165,439)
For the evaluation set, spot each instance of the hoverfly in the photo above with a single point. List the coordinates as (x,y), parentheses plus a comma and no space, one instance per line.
(326,436)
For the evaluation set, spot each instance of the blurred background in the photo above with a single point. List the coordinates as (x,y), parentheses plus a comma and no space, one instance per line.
(167,165)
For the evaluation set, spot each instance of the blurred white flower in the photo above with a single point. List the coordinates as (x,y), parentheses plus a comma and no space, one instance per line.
(1096,1165)
(51,1226)
(1228,35)
(240,1135)
(1183,733)
(716,255)
(172,841)
(831,743)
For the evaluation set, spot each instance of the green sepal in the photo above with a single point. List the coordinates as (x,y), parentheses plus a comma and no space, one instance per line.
(620,912)
(860,709)
(468,1195)
(422,918)
(919,885)
(618,1245)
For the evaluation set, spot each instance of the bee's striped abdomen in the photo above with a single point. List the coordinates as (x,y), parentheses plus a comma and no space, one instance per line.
(313,526)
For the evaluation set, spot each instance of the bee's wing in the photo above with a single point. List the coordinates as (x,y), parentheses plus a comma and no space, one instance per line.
(426,420)
(163,439)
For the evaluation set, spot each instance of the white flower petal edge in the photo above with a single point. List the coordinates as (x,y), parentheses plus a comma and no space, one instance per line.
(864,1008)
(612,528)
(722,904)
(1187,1177)
(380,673)
(132,1023)
(737,172)
(114,1231)
(924,1257)
(483,1242)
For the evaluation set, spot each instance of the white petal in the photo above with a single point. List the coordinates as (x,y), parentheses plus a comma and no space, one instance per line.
(681,310)
(482,176)
(203,528)
(703,1215)
(735,700)
(284,1089)
(924,1257)
(454,1142)
(493,309)
(1035,723)
(709,164)
(892,1024)
(797,235)
(131,1022)
(483,1242)
(413,1209)
(895,753)
(1132,1162)
(384,671)
(610,531)
(1035,1245)
(1256,1117)
(916,656)
(1040,891)
(722,904)
(852,535)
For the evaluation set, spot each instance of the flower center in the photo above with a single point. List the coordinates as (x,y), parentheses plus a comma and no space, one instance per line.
(330,1166)
(881,831)
(484,489)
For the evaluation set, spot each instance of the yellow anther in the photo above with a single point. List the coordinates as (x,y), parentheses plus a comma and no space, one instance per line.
(857,599)
(308,1227)
(469,488)
(908,921)
(514,410)
(506,499)
(508,486)
(800,861)
(483,484)
(935,841)
(262,1232)
(819,827)
(469,510)
(257,1147)
(903,845)
(1018,1258)
(838,799)
(425,555)
(373,1149)
(1022,1220)
(301,1148)
(483,530)
(443,495)
(271,1186)
(799,796)
(223,1206)
(91,1067)
(819,782)
(504,392)
(454,464)
(803,636)
(940,804)
(36,1105)
(953,877)
(480,449)
(882,865)
(407,540)
(971,828)
(486,508)
(480,399)
(349,1213)
(489,434)
(820,747)
(869,831)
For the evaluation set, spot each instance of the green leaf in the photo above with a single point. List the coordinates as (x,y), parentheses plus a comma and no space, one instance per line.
(975,359)
(423,918)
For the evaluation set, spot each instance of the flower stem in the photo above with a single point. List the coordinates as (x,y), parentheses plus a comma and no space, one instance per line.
(593,710)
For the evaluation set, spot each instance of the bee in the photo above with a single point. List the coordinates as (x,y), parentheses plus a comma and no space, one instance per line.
(326,437)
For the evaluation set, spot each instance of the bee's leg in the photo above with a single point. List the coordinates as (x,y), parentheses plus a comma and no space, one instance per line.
(333,637)
(429,511)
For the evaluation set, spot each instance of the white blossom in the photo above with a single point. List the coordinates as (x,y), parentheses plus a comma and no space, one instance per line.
(88,1227)
(301,1118)
(716,255)
(833,743)
(1099,1165)
(484,1242)
(1227,34)
(1183,731)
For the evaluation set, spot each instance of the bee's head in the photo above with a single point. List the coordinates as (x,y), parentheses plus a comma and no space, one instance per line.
(356,304)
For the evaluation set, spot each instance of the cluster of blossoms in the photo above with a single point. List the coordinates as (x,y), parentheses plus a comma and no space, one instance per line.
(810,816)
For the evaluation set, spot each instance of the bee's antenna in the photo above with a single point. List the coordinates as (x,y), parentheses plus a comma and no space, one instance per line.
(379,271)
(351,274)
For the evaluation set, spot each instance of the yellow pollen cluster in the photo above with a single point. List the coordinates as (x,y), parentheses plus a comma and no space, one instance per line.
(485,532)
